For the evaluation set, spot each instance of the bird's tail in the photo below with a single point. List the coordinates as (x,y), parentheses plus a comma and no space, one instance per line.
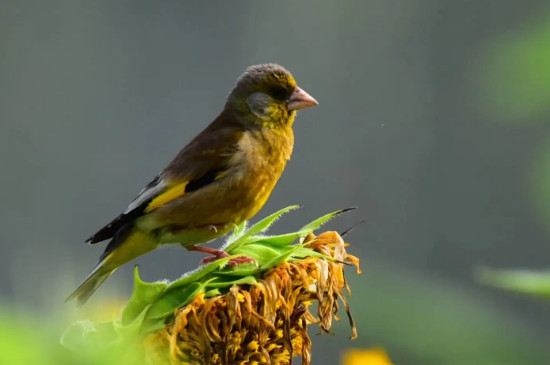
(90,284)
(128,244)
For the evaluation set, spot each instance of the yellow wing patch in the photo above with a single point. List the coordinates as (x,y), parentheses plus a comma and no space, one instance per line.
(171,194)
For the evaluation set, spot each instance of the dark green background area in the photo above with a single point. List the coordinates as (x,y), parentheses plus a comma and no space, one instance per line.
(433,119)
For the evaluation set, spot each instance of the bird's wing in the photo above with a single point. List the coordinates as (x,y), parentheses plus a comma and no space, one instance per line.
(204,160)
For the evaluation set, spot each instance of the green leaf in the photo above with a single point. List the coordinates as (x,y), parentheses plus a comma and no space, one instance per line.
(265,223)
(198,274)
(282,240)
(237,233)
(132,328)
(302,252)
(260,227)
(277,260)
(175,298)
(212,293)
(240,271)
(249,280)
(260,252)
(143,295)
(314,225)
(521,281)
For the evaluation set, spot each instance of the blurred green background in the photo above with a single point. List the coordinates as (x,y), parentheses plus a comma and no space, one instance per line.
(433,119)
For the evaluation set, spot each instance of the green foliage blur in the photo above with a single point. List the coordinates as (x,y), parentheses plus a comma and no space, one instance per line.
(30,339)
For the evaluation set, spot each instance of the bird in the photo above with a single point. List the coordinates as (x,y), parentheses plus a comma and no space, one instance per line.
(220,179)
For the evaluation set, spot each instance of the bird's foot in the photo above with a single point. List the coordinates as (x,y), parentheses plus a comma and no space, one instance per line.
(219,254)
(241,260)
(216,255)
(233,262)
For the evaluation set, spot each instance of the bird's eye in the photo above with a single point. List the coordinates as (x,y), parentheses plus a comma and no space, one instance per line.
(278,92)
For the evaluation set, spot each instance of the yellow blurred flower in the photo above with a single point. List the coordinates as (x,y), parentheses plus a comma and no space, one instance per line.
(376,356)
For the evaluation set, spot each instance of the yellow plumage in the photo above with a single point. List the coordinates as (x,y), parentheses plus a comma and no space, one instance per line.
(172,193)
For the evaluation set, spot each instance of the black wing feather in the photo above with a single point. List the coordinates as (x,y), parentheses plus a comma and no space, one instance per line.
(116,224)
(110,230)
(204,180)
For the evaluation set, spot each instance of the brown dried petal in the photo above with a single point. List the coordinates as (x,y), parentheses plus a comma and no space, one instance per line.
(263,323)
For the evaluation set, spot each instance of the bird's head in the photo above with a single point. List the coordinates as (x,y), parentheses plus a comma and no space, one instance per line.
(267,95)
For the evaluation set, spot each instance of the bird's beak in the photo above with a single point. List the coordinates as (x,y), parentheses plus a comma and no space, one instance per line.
(300,100)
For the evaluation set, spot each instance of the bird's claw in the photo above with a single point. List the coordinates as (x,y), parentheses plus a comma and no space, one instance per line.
(233,262)
(212,227)
(216,256)
(241,260)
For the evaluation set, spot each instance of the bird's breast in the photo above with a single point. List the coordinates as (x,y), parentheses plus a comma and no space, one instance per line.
(261,159)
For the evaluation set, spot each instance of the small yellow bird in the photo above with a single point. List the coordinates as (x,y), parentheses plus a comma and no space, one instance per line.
(220,179)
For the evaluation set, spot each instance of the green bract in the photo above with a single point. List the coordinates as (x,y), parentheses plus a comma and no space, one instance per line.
(152,305)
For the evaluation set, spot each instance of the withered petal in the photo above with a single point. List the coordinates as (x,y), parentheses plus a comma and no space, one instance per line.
(261,323)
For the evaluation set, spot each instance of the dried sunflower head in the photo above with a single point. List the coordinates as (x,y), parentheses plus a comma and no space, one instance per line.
(262,323)
(250,314)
